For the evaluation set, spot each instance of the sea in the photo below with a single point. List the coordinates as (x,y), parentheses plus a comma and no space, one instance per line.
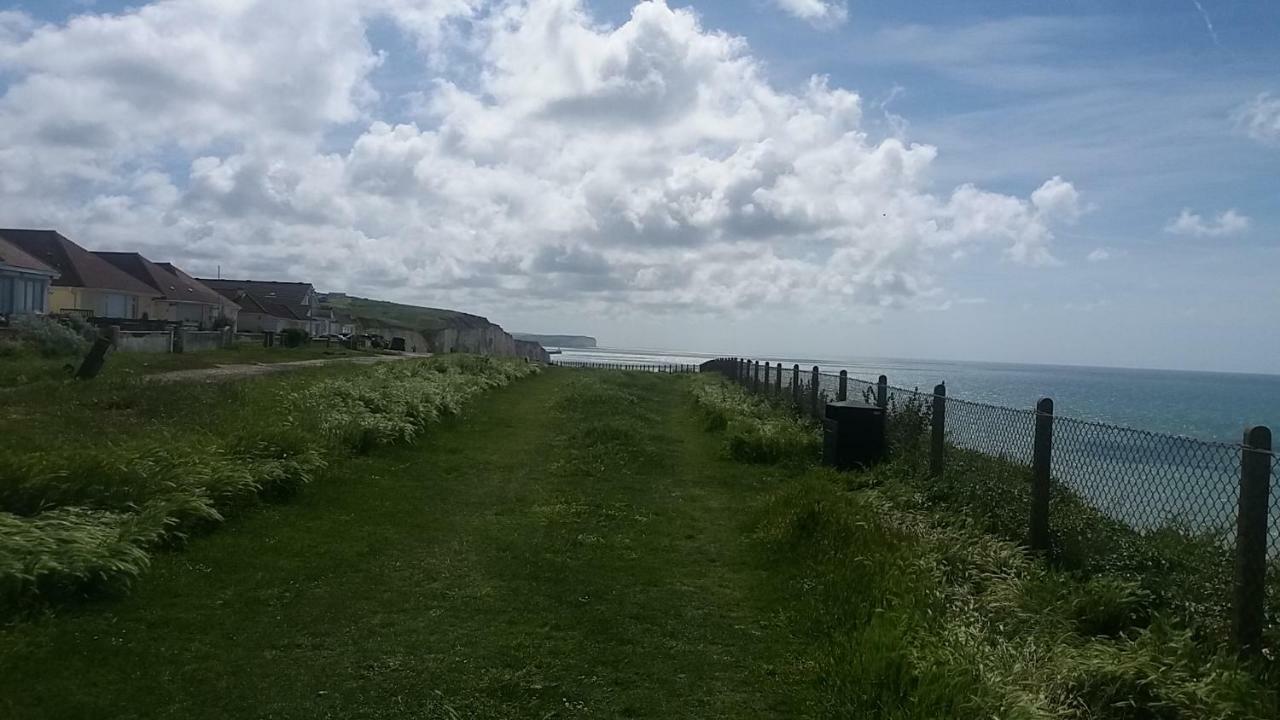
(1203,405)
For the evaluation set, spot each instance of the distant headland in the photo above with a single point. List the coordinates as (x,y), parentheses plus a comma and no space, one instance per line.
(559,341)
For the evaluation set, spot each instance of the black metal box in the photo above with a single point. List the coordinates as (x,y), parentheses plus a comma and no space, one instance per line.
(853,435)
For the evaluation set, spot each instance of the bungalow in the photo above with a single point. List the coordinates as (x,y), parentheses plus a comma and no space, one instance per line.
(178,297)
(24,281)
(281,304)
(85,283)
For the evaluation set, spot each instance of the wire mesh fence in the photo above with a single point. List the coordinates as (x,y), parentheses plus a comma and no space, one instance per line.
(672,368)
(1224,494)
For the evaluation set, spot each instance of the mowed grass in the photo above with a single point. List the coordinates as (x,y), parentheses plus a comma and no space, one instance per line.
(575,546)
(29,367)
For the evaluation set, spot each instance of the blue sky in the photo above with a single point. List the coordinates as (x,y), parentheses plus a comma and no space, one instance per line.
(1145,109)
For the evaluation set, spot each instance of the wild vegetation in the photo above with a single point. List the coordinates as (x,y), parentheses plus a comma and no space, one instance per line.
(754,428)
(81,517)
(921,602)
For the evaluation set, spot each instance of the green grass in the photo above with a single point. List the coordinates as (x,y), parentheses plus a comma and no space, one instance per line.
(77,518)
(574,546)
(580,544)
(29,367)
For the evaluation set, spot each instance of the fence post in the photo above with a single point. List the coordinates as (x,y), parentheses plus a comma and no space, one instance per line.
(795,386)
(843,393)
(1248,609)
(778,382)
(938,446)
(1041,462)
(755,377)
(813,394)
(768,367)
(882,392)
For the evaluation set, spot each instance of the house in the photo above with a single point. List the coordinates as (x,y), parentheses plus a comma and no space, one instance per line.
(274,306)
(178,297)
(24,281)
(85,283)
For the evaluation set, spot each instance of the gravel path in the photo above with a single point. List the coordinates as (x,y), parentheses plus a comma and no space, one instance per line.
(234,372)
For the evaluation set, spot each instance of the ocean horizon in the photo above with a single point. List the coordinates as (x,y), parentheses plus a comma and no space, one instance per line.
(1206,405)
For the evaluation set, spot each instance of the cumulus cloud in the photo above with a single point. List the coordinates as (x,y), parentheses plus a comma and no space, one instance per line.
(553,159)
(818,12)
(1226,223)
(1099,255)
(1260,119)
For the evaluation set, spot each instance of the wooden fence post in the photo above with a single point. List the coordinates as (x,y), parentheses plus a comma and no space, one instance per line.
(795,386)
(1041,463)
(755,376)
(1248,608)
(813,394)
(778,382)
(768,367)
(882,392)
(938,446)
(843,393)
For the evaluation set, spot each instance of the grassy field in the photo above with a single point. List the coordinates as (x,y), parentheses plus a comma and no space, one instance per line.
(27,368)
(575,547)
(599,544)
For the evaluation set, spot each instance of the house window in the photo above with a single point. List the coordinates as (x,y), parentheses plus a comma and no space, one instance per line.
(113,305)
(22,295)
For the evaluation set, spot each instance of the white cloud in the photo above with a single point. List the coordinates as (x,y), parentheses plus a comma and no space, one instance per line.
(1260,119)
(1099,255)
(821,13)
(555,160)
(1226,223)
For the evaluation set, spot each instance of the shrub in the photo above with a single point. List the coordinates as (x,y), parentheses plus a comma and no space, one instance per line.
(756,431)
(49,337)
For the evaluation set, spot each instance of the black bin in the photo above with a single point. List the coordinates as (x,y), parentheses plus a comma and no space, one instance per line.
(852,435)
(397,344)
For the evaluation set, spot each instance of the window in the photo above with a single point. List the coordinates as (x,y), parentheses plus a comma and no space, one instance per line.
(22,295)
(113,305)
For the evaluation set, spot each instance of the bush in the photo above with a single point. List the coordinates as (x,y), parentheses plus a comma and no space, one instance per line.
(294,337)
(756,431)
(49,337)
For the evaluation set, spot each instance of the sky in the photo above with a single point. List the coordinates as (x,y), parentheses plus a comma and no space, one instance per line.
(1068,182)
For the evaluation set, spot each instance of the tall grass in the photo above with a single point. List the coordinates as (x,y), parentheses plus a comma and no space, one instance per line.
(755,430)
(921,601)
(79,518)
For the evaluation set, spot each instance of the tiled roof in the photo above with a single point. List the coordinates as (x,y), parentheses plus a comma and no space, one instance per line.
(14,256)
(76,266)
(165,280)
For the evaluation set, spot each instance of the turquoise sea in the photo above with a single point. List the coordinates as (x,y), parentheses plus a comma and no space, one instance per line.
(1203,405)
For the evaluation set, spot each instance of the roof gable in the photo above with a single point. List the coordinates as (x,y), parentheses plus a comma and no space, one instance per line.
(294,296)
(76,266)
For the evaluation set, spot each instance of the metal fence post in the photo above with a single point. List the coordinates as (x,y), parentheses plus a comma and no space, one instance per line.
(1041,462)
(1248,608)
(938,444)
(843,393)
(795,386)
(813,394)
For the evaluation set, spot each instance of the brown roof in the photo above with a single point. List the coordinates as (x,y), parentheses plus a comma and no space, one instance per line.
(167,282)
(282,299)
(76,266)
(15,257)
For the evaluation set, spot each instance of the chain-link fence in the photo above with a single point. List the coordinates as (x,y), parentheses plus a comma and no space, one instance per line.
(674,368)
(1145,483)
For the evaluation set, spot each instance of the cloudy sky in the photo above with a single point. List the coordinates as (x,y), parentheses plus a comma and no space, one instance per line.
(1076,182)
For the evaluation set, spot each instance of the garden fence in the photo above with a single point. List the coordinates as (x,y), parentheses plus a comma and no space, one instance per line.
(1145,480)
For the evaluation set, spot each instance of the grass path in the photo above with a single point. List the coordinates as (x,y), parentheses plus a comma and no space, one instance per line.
(575,547)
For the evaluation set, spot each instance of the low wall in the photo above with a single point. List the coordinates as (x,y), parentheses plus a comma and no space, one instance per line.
(197,341)
(247,338)
(145,342)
